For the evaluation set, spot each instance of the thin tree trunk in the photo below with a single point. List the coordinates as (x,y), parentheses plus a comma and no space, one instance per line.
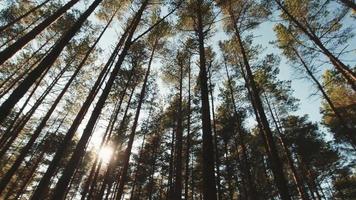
(20,43)
(16,121)
(7,177)
(187,171)
(21,124)
(179,142)
(46,63)
(209,183)
(26,62)
(44,120)
(216,150)
(19,33)
(171,168)
(2,28)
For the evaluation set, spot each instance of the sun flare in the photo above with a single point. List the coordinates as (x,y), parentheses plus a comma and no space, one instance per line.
(105,154)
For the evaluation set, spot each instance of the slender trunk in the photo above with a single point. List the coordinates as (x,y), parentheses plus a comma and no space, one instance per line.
(179,142)
(138,164)
(21,76)
(209,183)
(228,170)
(216,150)
(20,43)
(347,73)
(153,169)
(2,28)
(127,153)
(19,33)
(46,63)
(171,168)
(297,180)
(187,171)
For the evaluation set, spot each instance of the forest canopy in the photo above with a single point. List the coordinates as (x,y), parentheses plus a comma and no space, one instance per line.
(177,99)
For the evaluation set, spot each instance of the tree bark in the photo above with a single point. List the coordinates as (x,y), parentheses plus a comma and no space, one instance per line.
(187,155)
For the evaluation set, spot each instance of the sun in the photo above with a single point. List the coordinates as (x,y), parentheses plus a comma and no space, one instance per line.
(105,154)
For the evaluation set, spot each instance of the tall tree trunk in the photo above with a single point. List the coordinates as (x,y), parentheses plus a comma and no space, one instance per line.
(179,141)
(216,150)
(2,28)
(11,50)
(19,33)
(46,63)
(170,188)
(228,170)
(127,152)
(276,164)
(347,73)
(188,142)
(209,183)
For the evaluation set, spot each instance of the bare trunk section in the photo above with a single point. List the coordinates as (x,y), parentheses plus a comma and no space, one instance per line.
(209,183)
